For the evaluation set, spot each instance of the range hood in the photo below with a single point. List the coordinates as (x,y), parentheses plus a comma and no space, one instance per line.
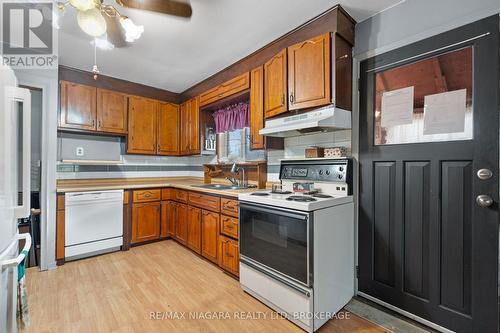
(326,119)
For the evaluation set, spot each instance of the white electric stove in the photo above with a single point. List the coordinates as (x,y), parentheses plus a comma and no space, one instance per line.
(297,241)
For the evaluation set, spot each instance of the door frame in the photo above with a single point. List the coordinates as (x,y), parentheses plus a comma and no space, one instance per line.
(355,137)
(47,81)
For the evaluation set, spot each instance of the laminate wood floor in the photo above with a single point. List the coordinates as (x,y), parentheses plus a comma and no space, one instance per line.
(123,291)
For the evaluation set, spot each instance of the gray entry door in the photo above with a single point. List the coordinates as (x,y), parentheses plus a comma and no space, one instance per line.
(427,245)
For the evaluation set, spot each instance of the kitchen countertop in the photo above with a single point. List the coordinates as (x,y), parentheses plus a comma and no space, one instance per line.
(185,183)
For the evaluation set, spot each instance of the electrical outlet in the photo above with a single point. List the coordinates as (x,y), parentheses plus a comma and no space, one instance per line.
(79,151)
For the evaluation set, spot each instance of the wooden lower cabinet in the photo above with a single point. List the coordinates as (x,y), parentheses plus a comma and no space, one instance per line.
(181,222)
(209,235)
(229,255)
(194,229)
(145,222)
(167,219)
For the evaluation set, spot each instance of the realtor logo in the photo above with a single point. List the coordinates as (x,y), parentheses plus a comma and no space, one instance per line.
(28,34)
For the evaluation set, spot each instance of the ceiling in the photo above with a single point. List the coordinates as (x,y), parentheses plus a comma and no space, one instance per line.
(175,53)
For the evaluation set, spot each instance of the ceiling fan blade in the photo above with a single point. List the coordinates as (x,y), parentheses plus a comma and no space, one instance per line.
(114,32)
(169,7)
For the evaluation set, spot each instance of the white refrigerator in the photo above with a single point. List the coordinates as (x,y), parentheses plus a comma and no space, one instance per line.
(15,152)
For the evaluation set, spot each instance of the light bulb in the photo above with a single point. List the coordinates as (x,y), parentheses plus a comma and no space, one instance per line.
(82,5)
(132,31)
(92,22)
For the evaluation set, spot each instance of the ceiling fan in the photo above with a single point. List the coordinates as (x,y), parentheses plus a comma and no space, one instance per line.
(97,18)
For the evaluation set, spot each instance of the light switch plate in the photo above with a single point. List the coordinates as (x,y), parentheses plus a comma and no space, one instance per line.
(79,151)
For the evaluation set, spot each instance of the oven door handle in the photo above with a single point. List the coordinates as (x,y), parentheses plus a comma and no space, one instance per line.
(274,211)
(285,282)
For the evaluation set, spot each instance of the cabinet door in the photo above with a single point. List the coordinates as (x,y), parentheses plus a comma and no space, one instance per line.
(78,106)
(190,127)
(145,222)
(167,219)
(309,73)
(275,85)
(181,222)
(209,235)
(168,129)
(194,229)
(111,111)
(229,255)
(256,108)
(142,121)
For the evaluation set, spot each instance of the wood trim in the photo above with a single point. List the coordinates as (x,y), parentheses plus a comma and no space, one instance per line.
(119,85)
(335,19)
(127,220)
(60,225)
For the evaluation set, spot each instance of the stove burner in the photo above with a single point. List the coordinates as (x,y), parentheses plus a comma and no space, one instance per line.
(260,194)
(301,198)
(319,195)
(281,192)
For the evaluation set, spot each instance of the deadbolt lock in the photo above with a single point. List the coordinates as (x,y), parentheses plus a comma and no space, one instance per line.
(484,174)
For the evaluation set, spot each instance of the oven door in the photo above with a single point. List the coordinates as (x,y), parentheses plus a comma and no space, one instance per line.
(278,239)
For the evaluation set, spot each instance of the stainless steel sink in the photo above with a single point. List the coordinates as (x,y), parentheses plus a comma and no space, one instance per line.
(222,187)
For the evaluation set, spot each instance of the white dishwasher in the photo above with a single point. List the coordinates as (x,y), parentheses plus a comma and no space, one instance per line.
(93,223)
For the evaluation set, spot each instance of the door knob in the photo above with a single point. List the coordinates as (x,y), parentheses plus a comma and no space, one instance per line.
(484,200)
(484,174)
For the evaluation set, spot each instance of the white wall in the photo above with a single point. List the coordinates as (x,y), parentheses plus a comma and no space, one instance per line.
(414,20)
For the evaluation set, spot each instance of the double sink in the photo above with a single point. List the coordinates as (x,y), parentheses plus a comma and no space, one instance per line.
(223,187)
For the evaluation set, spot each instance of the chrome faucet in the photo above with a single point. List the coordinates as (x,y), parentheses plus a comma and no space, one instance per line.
(236,170)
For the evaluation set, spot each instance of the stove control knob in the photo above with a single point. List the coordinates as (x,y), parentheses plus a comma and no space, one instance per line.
(327,172)
(340,176)
(341,169)
(320,172)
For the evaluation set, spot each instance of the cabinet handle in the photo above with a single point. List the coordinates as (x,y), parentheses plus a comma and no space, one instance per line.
(158,147)
(93,122)
(229,255)
(291,98)
(229,226)
(283,99)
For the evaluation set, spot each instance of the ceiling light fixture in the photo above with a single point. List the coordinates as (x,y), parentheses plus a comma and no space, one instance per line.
(91,18)
(92,22)
(132,31)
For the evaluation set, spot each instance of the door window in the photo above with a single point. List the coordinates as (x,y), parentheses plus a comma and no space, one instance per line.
(428,100)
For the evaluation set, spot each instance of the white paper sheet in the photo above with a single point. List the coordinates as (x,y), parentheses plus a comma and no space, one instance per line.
(445,112)
(397,107)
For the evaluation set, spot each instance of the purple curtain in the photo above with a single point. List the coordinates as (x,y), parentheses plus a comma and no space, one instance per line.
(231,118)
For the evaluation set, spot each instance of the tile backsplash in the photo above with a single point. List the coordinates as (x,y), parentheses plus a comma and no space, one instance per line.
(295,148)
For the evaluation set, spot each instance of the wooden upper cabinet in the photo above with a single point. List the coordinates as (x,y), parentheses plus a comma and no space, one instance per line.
(145,222)
(190,127)
(309,73)
(256,107)
(142,126)
(78,106)
(228,88)
(168,129)
(275,85)
(111,111)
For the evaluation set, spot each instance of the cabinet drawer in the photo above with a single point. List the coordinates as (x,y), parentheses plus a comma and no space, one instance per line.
(168,194)
(229,226)
(204,201)
(226,89)
(229,207)
(181,196)
(147,195)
